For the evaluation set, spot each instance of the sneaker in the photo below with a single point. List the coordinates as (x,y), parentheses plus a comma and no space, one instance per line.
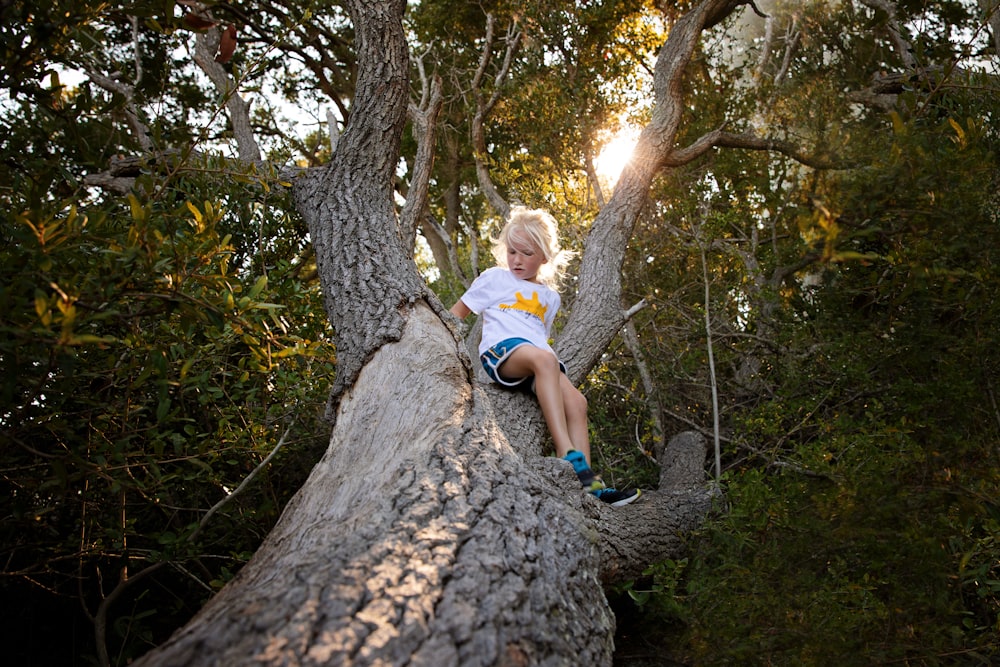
(617,498)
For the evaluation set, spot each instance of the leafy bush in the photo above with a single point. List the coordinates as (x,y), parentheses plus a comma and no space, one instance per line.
(147,371)
(860,518)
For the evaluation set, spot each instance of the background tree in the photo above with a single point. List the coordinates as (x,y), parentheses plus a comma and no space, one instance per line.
(859,468)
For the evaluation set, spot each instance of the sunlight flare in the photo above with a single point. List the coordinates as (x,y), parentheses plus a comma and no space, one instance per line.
(615,154)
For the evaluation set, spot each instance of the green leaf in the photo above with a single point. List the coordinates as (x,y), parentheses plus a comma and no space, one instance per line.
(198,216)
(42,308)
(138,210)
(162,409)
(258,287)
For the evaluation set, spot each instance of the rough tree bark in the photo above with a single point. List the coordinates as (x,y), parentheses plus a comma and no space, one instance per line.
(433,532)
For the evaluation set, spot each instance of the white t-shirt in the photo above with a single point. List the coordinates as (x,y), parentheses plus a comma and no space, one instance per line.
(512,308)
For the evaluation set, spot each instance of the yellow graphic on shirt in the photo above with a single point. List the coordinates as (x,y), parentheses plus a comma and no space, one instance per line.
(531,306)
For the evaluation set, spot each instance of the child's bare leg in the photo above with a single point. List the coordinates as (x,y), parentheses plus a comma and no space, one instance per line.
(575,407)
(528,360)
(565,411)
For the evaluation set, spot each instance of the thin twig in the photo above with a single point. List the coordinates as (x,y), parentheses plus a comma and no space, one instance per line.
(246,481)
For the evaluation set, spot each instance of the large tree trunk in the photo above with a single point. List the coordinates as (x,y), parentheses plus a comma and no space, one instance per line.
(432,532)
(424,537)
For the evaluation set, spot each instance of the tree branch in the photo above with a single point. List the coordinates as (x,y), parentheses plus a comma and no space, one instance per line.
(484,107)
(903,48)
(424,116)
(595,182)
(430,225)
(991,10)
(648,385)
(239,489)
(113,84)
(206,47)
(597,315)
(100,618)
(886,88)
(652,529)
(209,51)
(120,178)
(123,170)
(722,139)
(631,312)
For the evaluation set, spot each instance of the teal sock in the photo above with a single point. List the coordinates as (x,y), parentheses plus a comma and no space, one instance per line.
(583,471)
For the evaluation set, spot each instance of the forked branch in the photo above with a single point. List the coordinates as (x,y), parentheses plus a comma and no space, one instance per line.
(484,106)
(424,115)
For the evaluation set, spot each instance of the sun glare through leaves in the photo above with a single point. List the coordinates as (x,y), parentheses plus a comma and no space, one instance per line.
(615,155)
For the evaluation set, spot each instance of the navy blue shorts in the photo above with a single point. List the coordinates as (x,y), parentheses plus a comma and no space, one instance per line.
(494,357)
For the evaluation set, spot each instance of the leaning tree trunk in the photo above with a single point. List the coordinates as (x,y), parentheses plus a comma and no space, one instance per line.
(432,532)
(598,314)
(423,537)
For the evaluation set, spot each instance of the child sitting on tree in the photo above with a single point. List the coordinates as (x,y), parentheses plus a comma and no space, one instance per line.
(518,304)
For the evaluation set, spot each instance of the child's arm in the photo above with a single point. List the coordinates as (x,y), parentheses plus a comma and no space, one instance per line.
(460,310)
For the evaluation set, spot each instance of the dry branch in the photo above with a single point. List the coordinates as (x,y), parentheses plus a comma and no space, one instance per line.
(484,106)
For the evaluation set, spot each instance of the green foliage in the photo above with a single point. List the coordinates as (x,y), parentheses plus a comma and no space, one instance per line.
(156,347)
(873,545)
(153,354)
(860,519)
(144,377)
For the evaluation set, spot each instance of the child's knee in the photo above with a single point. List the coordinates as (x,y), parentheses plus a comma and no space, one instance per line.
(544,361)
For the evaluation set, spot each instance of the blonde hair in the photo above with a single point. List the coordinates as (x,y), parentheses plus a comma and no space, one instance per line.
(541,228)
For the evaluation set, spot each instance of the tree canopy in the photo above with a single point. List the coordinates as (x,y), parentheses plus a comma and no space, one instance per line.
(810,282)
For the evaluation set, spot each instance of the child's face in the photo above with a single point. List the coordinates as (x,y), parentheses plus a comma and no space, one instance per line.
(524,257)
